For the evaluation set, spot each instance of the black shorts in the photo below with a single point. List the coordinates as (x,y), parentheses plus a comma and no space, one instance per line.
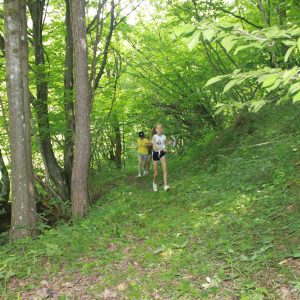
(156,156)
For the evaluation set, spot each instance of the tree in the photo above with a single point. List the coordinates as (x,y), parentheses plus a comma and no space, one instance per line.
(68,97)
(23,203)
(40,102)
(79,181)
(27,113)
(4,183)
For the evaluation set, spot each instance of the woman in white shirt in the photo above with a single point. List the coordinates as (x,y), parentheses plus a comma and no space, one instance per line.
(159,142)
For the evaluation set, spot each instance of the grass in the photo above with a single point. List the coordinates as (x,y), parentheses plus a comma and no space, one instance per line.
(227,230)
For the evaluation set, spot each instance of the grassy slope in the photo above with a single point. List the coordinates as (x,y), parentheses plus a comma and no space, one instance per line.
(227,230)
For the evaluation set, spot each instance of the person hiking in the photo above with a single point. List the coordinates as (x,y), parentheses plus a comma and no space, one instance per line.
(142,151)
(159,143)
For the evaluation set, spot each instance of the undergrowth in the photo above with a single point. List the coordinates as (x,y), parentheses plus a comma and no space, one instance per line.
(228,229)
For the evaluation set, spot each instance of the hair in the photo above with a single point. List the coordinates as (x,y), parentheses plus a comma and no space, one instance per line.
(154,129)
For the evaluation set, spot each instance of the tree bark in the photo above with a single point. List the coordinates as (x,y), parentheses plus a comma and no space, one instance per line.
(27,112)
(4,183)
(68,98)
(55,172)
(118,142)
(79,182)
(264,14)
(282,12)
(21,219)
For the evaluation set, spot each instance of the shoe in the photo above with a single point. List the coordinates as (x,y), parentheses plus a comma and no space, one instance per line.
(166,188)
(139,175)
(145,173)
(154,187)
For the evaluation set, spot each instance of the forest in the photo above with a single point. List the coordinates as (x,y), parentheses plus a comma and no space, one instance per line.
(217,82)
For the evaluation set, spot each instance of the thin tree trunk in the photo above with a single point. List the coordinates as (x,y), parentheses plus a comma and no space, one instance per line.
(27,111)
(21,221)
(264,14)
(5,206)
(68,98)
(118,142)
(79,182)
(55,172)
(282,12)
(4,182)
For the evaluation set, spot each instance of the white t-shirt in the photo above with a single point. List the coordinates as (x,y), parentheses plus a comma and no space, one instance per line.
(159,142)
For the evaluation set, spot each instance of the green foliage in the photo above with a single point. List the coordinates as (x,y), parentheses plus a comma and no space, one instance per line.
(227,228)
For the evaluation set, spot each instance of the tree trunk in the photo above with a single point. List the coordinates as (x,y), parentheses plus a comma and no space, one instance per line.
(27,112)
(68,98)
(118,142)
(79,182)
(21,219)
(55,172)
(264,14)
(4,183)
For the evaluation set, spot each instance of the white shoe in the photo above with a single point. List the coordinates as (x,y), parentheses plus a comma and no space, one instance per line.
(154,187)
(139,175)
(166,188)
(145,173)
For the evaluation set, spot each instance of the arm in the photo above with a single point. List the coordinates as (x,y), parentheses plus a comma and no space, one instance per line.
(149,143)
(154,143)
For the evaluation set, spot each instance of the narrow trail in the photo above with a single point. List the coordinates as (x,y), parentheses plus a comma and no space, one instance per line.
(212,240)
(78,283)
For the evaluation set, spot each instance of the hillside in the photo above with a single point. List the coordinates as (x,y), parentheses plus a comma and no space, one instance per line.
(228,229)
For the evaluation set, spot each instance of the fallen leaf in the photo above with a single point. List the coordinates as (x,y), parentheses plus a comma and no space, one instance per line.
(112,247)
(285,261)
(108,294)
(121,286)
(286,293)
(44,282)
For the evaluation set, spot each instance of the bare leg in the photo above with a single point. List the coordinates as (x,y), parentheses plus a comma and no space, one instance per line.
(165,171)
(144,166)
(155,171)
(148,163)
(140,164)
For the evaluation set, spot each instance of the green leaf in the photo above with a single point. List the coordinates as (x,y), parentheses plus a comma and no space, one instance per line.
(221,107)
(160,249)
(208,34)
(228,43)
(289,43)
(184,29)
(236,71)
(229,85)
(180,246)
(244,257)
(270,80)
(213,80)
(294,88)
(296,98)
(296,255)
(298,44)
(274,86)
(255,106)
(243,47)
(288,53)
(272,32)
(195,39)
(287,75)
